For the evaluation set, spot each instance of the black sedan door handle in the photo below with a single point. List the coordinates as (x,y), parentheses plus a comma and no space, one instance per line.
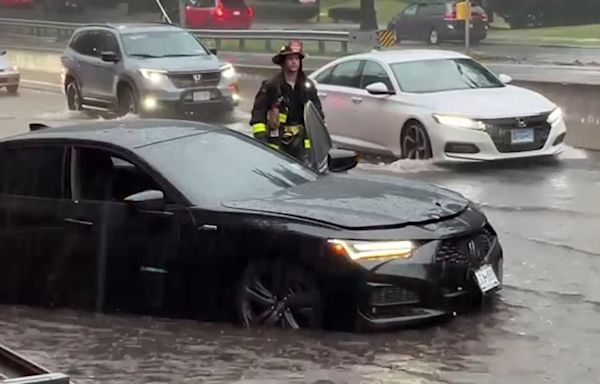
(79,222)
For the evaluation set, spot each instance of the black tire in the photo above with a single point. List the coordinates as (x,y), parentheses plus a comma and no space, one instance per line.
(434,37)
(414,142)
(74,102)
(274,293)
(127,101)
(13,89)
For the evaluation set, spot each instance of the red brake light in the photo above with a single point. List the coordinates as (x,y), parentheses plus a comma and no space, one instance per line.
(250,11)
(450,15)
(219,11)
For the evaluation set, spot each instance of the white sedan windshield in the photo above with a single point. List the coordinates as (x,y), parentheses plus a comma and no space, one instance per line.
(443,75)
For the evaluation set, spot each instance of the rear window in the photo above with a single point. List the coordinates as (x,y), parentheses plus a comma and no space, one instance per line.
(234,3)
(203,3)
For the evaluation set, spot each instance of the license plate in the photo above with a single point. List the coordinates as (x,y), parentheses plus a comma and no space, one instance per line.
(201,96)
(521,136)
(236,13)
(486,278)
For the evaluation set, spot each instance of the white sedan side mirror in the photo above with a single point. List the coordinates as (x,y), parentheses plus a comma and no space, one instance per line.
(378,89)
(505,78)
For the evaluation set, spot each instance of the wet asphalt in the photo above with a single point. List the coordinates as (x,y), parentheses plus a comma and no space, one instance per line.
(544,327)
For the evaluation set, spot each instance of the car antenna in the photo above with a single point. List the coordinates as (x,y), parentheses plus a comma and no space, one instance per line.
(37,126)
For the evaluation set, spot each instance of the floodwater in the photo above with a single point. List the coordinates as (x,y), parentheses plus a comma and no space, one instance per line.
(544,327)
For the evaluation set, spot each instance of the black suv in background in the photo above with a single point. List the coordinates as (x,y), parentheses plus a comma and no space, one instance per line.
(436,21)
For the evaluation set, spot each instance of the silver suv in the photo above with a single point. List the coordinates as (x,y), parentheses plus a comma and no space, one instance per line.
(146,69)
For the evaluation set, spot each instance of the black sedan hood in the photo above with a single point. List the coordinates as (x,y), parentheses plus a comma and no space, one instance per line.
(360,202)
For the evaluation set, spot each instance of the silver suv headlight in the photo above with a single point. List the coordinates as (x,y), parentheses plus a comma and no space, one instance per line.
(155,76)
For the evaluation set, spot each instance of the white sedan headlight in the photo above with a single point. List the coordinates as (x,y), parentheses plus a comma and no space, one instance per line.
(155,76)
(458,121)
(360,250)
(555,116)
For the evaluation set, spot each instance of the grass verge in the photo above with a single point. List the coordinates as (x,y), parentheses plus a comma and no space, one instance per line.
(584,35)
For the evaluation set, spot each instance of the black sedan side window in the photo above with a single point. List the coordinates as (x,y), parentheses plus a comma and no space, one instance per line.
(32,171)
(102,176)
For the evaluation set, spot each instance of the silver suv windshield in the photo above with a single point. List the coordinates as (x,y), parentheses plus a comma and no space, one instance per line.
(162,44)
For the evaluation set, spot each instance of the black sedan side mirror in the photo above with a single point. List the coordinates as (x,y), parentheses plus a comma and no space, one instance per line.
(109,57)
(341,160)
(150,200)
(2,53)
(213,51)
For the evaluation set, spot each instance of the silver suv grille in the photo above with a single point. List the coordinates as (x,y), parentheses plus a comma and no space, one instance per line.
(196,79)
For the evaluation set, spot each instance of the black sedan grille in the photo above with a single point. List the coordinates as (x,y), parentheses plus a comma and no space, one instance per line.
(500,130)
(197,79)
(390,295)
(467,250)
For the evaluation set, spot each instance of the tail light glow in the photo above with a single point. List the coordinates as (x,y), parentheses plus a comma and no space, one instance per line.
(450,15)
(219,11)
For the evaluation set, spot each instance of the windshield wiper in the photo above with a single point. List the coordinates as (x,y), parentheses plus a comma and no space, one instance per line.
(144,55)
(182,55)
(465,76)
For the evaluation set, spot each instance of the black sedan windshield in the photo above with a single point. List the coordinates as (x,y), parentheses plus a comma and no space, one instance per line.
(162,44)
(443,75)
(221,166)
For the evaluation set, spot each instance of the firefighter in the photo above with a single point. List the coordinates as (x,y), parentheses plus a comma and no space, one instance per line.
(278,111)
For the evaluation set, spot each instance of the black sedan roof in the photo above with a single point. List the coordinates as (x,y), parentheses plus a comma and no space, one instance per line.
(130,134)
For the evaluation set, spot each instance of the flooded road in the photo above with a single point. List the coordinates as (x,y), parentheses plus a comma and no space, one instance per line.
(544,328)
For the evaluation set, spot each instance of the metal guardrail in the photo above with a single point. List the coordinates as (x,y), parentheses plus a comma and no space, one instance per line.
(62,31)
(15,368)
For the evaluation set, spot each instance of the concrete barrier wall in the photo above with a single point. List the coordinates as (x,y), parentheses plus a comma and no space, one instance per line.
(580,102)
(36,60)
(581,105)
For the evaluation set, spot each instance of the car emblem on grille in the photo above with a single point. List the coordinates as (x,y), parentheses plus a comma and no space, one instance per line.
(521,122)
(197,78)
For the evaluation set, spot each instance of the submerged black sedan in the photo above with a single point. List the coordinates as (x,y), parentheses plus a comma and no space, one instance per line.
(185,219)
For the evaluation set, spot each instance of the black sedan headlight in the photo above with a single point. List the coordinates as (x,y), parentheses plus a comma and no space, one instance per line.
(368,250)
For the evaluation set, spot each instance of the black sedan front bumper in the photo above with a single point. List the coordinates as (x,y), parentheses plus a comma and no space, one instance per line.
(437,282)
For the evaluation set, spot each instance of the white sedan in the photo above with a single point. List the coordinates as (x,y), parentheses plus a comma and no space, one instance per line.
(423,104)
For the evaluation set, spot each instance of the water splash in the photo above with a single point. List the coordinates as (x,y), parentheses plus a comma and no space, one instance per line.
(405,166)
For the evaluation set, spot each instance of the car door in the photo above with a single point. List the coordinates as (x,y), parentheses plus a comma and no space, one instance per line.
(126,254)
(340,96)
(92,70)
(106,71)
(406,23)
(377,122)
(33,195)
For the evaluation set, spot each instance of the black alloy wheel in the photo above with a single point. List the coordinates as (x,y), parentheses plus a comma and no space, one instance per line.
(415,142)
(278,294)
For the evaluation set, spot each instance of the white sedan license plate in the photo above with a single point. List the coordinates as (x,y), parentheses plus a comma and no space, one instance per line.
(522,136)
(201,96)
(486,278)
